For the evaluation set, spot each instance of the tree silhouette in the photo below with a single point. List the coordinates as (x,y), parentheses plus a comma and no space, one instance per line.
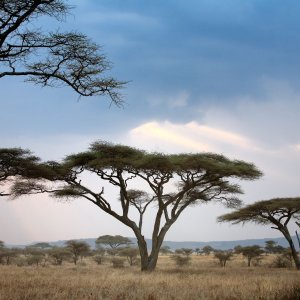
(51,58)
(16,162)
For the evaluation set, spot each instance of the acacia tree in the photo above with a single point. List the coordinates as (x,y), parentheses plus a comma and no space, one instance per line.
(77,249)
(173,182)
(250,252)
(276,212)
(223,256)
(113,241)
(51,58)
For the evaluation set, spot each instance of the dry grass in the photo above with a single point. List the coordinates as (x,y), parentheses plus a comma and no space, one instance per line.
(204,279)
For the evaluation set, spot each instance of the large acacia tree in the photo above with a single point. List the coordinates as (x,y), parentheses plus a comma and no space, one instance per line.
(51,58)
(169,184)
(276,212)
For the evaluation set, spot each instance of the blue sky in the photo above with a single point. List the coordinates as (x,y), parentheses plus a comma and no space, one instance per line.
(210,75)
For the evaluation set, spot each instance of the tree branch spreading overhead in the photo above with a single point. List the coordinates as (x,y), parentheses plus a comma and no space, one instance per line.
(52,58)
(168,184)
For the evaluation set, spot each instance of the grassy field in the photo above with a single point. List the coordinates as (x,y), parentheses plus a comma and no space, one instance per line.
(203,279)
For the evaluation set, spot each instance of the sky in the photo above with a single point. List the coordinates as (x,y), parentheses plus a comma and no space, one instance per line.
(205,75)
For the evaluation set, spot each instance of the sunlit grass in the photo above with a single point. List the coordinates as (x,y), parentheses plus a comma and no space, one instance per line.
(203,279)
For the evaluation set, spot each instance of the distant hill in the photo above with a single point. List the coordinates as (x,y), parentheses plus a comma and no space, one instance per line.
(221,245)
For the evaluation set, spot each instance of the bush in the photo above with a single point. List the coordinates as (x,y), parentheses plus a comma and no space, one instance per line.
(223,257)
(281,261)
(98,259)
(181,260)
(117,262)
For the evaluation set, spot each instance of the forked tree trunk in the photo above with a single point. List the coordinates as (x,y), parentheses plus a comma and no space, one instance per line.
(149,261)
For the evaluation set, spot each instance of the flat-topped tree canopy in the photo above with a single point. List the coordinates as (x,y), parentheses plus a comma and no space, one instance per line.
(103,155)
(171,182)
(265,211)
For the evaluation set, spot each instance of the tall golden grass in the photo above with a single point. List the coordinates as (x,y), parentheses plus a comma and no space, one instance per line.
(203,279)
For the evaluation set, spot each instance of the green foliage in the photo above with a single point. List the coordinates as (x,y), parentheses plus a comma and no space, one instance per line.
(98,259)
(278,212)
(131,254)
(223,257)
(58,255)
(6,255)
(184,251)
(251,252)
(264,212)
(16,162)
(207,250)
(165,250)
(77,249)
(181,260)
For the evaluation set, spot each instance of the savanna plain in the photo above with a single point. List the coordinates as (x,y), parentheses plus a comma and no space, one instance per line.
(203,278)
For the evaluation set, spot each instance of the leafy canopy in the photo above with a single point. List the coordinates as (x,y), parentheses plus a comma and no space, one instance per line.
(265,212)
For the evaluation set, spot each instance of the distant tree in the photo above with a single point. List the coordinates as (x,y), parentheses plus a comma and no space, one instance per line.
(131,254)
(78,249)
(195,178)
(198,251)
(207,250)
(41,245)
(99,255)
(51,58)
(184,251)
(237,249)
(59,254)
(35,256)
(223,256)
(251,252)
(165,250)
(276,212)
(283,260)
(6,254)
(118,262)
(1,244)
(272,247)
(113,241)
(181,260)
(269,246)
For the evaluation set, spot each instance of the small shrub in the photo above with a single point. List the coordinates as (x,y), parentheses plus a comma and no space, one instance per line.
(281,261)
(181,260)
(223,257)
(117,262)
(99,259)
(21,261)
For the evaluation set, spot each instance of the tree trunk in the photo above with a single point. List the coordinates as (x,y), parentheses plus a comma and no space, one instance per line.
(249,261)
(292,247)
(148,262)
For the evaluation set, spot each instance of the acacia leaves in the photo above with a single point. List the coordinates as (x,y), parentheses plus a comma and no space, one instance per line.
(264,212)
